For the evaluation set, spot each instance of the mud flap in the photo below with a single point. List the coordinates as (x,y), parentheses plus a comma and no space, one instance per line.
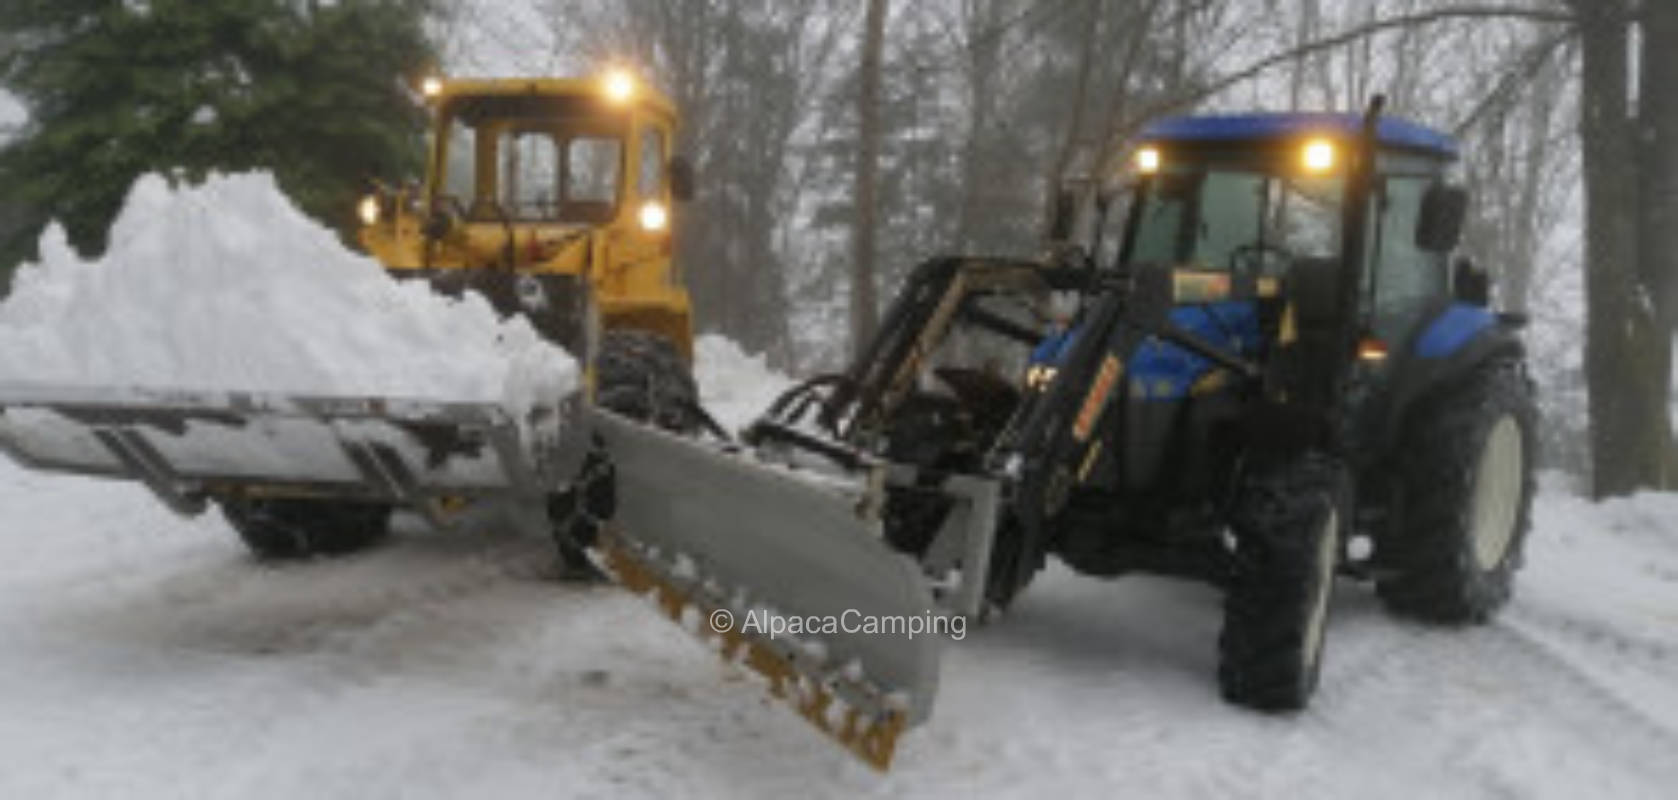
(714,534)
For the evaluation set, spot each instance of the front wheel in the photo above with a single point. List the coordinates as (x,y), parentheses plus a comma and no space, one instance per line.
(286,529)
(1288,521)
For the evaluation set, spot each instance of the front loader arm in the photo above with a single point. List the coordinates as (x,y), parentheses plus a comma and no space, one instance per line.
(1061,434)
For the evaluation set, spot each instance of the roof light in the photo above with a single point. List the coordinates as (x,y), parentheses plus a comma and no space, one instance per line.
(1148,160)
(1318,155)
(619,85)
(431,86)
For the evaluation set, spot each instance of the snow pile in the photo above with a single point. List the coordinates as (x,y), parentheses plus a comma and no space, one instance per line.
(227,286)
(734,387)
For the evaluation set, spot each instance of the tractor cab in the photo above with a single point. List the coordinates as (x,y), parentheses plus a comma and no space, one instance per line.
(1327,235)
(1254,196)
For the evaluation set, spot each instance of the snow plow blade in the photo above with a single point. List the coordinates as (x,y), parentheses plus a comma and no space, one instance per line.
(727,545)
(189,447)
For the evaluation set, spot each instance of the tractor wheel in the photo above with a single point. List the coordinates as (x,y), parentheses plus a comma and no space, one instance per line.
(1287,521)
(1450,555)
(642,376)
(284,529)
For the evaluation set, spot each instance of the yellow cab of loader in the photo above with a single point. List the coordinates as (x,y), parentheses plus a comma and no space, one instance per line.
(553,197)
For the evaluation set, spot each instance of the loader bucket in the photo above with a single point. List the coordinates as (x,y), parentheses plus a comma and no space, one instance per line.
(190,446)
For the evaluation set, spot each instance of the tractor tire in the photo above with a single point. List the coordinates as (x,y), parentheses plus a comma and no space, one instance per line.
(642,376)
(289,529)
(1288,522)
(1449,556)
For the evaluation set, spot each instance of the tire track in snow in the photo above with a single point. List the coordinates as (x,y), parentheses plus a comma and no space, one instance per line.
(1653,653)
(1475,688)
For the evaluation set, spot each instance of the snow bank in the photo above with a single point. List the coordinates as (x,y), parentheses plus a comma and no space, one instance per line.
(734,387)
(226,285)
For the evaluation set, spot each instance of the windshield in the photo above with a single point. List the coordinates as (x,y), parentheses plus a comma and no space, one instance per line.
(548,169)
(1230,220)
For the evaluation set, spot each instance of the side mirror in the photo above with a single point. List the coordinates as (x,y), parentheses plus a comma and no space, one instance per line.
(680,171)
(1471,284)
(1439,221)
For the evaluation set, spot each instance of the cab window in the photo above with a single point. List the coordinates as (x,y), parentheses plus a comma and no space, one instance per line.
(591,170)
(531,159)
(530,175)
(1237,220)
(458,171)
(1407,279)
(651,179)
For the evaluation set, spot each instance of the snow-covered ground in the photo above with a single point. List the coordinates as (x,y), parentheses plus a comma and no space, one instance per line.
(146,655)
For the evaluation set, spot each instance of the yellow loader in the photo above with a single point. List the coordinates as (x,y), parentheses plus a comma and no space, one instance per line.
(555,199)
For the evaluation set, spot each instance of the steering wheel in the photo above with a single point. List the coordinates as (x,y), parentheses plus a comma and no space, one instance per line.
(1250,258)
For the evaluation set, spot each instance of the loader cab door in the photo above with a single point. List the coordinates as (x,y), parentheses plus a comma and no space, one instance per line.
(1405,283)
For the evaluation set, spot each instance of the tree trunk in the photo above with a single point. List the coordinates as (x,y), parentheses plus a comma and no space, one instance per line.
(984,49)
(1075,118)
(1658,171)
(864,306)
(1629,428)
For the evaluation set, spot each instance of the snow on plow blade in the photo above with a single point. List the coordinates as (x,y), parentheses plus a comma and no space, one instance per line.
(726,545)
(190,446)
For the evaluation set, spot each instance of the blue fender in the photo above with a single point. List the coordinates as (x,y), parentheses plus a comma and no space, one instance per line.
(1452,330)
(1457,340)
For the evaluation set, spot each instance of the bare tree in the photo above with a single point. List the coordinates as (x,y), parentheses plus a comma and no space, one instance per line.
(1657,145)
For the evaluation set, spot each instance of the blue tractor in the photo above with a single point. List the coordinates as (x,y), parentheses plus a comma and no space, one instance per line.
(1262,368)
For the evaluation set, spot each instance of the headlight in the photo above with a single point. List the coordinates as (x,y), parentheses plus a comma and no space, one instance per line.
(431,86)
(370,209)
(654,217)
(1038,376)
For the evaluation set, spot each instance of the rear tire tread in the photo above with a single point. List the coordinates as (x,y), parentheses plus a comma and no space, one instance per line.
(1427,557)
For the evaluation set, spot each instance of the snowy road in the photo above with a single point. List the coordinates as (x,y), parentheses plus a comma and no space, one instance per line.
(145,655)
